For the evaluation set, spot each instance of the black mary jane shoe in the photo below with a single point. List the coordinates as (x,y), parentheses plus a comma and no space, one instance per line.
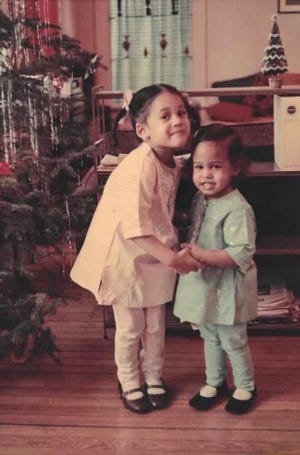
(157,400)
(238,407)
(137,405)
(204,403)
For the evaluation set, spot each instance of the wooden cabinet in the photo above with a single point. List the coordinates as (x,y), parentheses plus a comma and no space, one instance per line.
(274,196)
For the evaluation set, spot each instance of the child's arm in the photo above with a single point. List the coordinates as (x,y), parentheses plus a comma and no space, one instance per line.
(213,258)
(181,261)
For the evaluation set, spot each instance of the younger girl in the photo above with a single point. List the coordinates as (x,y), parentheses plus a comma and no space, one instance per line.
(220,299)
(130,256)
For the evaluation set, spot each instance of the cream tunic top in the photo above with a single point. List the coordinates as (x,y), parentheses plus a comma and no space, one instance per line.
(138,200)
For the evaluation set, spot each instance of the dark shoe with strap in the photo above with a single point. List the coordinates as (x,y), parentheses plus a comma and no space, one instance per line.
(236,406)
(138,405)
(157,400)
(202,403)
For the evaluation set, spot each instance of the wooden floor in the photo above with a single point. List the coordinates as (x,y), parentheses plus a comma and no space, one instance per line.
(74,408)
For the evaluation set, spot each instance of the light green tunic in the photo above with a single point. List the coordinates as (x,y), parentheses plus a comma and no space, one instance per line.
(221,295)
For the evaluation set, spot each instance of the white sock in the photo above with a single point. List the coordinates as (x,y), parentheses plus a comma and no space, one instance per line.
(208,391)
(155,390)
(135,395)
(241,394)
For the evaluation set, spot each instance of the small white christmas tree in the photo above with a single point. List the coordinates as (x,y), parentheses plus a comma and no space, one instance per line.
(274,63)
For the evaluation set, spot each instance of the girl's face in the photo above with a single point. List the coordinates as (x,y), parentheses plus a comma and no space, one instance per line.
(212,170)
(167,127)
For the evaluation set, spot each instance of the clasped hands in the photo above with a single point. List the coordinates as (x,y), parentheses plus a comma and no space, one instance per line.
(188,260)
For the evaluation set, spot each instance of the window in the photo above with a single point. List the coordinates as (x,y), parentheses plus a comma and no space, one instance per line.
(151,43)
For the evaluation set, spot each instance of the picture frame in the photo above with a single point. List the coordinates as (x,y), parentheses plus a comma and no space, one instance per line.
(288,6)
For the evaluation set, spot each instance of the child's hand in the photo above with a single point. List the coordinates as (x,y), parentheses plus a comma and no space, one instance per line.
(196,251)
(209,257)
(185,263)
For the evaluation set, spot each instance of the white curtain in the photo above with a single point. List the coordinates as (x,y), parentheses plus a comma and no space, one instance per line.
(151,43)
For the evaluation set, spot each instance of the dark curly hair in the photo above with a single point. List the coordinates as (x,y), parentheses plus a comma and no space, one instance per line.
(218,132)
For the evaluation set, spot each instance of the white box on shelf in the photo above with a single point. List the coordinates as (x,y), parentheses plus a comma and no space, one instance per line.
(287,132)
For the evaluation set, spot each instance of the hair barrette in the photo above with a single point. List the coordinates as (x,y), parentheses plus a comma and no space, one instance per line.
(127,97)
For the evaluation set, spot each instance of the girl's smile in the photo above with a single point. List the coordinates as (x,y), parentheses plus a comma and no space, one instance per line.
(212,169)
(167,127)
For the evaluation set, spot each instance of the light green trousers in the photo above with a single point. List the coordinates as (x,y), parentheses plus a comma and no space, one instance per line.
(220,342)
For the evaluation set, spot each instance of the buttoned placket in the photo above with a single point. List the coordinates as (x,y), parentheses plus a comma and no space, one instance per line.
(197,226)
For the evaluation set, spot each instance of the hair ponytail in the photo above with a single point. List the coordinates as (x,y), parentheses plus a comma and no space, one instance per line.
(121,114)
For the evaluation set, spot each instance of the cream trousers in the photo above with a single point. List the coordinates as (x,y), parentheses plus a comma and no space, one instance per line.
(139,328)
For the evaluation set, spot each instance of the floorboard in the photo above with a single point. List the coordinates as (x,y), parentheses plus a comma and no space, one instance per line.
(74,407)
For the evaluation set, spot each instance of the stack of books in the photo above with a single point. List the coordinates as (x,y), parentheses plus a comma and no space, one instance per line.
(276,303)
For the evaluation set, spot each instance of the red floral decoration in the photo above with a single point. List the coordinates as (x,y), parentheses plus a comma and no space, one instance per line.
(163,43)
(126,44)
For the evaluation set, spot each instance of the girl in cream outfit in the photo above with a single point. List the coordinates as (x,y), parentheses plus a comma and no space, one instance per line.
(130,256)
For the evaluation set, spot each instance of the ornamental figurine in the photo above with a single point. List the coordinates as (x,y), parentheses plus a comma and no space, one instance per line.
(274,63)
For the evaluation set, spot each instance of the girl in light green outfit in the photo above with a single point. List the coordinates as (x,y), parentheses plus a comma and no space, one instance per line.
(220,299)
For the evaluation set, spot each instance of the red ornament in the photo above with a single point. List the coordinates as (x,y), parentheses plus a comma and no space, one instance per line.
(163,43)
(126,44)
(5,169)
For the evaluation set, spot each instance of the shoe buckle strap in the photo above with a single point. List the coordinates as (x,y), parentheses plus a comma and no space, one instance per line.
(129,392)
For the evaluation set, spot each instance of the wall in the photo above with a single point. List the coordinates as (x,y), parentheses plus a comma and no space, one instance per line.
(238,32)
(88,21)
(229,36)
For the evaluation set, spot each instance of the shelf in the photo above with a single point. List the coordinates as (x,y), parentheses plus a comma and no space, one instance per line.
(271,328)
(105,170)
(284,327)
(258,169)
(279,245)
(285,90)
(176,328)
(269,169)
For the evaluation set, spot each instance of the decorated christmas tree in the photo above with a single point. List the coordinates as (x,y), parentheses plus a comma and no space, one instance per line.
(44,153)
(274,62)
